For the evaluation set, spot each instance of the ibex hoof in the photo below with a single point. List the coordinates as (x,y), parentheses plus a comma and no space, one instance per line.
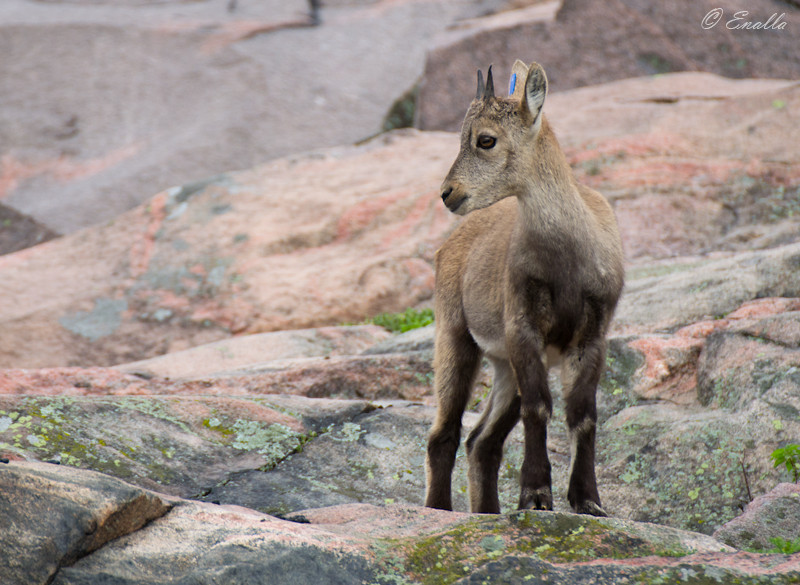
(541,499)
(590,508)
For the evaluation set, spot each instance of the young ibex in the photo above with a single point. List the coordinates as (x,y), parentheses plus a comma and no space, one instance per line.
(529,279)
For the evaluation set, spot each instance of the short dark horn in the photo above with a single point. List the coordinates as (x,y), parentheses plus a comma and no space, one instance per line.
(481,87)
(489,91)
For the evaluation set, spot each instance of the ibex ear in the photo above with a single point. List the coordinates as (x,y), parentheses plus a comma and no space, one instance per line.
(519,73)
(535,92)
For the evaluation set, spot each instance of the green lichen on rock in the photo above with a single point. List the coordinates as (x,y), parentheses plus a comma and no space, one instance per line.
(563,538)
(139,439)
(617,381)
(446,557)
(215,424)
(698,491)
(47,428)
(155,408)
(349,432)
(758,199)
(274,442)
(401,114)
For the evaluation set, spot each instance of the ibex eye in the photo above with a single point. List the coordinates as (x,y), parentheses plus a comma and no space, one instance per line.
(486,142)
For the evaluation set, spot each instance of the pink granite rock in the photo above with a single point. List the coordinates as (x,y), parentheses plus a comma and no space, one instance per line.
(305,241)
(248,350)
(206,543)
(683,367)
(587,42)
(324,239)
(181,90)
(770,516)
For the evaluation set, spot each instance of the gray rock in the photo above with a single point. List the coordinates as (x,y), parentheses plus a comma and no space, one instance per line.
(709,290)
(688,467)
(585,42)
(374,458)
(113,533)
(745,363)
(179,445)
(415,340)
(243,351)
(18,231)
(187,89)
(202,544)
(51,516)
(772,515)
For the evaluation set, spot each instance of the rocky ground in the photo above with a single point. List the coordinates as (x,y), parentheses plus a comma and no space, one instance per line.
(594,42)
(197,368)
(106,531)
(127,97)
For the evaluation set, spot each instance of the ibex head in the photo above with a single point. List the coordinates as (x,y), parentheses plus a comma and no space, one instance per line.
(498,141)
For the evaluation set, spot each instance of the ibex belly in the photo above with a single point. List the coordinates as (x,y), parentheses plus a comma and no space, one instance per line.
(494,346)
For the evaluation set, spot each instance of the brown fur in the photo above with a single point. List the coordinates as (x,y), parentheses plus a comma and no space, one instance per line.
(532,274)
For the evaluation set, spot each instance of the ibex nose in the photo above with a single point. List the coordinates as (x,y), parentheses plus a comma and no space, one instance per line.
(446,193)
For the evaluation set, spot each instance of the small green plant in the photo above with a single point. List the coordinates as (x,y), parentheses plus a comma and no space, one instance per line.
(405,321)
(790,457)
(787,547)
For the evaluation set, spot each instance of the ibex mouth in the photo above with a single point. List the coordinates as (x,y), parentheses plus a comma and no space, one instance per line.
(449,202)
(454,208)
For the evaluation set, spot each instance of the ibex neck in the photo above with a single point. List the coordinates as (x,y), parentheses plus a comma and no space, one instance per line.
(550,200)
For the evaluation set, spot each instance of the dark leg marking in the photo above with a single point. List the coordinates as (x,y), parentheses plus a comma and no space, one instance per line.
(581,410)
(536,406)
(457,361)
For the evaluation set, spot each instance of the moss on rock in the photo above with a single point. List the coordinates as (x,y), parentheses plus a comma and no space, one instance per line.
(446,557)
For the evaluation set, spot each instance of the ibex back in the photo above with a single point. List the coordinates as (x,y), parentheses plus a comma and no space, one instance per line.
(529,279)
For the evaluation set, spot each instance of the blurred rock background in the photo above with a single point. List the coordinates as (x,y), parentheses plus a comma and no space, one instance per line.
(202,201)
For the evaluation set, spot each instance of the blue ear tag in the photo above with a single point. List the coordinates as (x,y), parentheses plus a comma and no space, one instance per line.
(512,84)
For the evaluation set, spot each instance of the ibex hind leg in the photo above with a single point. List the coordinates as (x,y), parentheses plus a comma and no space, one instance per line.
(581,373)
(457,358)
(485,442)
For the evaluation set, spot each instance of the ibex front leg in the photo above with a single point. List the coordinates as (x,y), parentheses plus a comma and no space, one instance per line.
(580,374)
(536,405)
(456,363)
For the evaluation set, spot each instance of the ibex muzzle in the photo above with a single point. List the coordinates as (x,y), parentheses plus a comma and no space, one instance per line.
(529,279)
